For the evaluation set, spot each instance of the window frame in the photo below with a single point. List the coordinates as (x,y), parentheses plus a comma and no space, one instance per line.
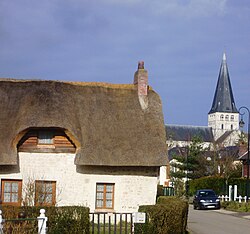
(104,199)
(19,191)
(37,193)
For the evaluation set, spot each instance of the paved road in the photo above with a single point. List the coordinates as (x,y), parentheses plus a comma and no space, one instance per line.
(217,222)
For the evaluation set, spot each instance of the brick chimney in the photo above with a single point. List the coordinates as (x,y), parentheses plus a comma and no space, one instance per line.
(141,80)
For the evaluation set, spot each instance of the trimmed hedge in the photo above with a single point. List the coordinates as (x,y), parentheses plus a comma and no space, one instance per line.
(218,184)
(68,219)
(236,206)
(168,216)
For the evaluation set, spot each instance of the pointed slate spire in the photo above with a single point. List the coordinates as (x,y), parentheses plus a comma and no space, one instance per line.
(223,97)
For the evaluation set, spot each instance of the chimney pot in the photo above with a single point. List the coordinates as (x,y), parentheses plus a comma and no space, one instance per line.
(140,65)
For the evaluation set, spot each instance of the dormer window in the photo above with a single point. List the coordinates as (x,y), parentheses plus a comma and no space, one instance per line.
(46,140)
(227,117)
(221,117)
(45,137)
(232,117)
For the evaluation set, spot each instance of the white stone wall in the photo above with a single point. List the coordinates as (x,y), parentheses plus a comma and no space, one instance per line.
(76,185)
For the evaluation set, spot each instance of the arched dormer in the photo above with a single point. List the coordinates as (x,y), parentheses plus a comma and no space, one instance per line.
(46,140)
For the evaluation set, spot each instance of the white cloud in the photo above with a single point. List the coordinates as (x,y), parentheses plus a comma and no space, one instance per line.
(191,8)
(174,8)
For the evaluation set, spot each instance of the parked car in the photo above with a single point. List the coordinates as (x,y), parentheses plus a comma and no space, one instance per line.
(206,199)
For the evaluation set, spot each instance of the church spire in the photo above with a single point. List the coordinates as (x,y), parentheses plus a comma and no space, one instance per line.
(223,97)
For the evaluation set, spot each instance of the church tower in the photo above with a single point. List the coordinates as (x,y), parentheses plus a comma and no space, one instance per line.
(223,116)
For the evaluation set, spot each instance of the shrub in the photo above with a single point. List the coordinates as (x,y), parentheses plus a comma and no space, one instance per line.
(218,184)
(236,206)
(168,216)
(71,219)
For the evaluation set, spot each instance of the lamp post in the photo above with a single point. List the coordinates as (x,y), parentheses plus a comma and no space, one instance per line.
(241,123)
(187,184)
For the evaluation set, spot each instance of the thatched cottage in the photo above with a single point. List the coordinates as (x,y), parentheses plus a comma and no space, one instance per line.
(75,143)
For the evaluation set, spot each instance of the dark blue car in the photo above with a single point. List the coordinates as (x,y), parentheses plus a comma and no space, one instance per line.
(206,199)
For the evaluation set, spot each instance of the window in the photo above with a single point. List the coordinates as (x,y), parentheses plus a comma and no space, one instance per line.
(104,196)
(227,117)
(221,117)
(45,137)
(45,193)
(222,126)
(232,117)
(232,127)
(11,192)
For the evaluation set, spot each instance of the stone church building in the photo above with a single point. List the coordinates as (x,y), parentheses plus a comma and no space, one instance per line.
(223,122)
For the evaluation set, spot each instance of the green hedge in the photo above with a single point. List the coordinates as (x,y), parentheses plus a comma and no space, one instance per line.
(236,206)
(218,184)
(168,216)
(70,219)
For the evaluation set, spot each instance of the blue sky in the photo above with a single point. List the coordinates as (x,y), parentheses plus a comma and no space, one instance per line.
(180,41)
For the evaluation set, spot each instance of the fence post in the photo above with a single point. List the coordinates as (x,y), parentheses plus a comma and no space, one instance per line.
(230,192)
(42,221)
(1,221)
(235,192)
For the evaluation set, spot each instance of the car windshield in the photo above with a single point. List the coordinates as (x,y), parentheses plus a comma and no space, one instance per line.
(207,194)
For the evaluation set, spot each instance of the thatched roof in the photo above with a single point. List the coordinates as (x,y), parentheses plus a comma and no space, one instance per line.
(105,121)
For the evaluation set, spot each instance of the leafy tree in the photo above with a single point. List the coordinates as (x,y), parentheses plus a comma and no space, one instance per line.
(190,162)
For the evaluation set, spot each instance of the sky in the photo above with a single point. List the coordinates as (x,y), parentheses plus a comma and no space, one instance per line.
(180,41)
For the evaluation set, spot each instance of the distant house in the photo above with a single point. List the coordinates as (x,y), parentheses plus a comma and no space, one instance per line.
(243,157)
(75,143)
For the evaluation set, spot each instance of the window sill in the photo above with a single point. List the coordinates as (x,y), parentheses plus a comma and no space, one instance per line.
(46,146)
(104,210)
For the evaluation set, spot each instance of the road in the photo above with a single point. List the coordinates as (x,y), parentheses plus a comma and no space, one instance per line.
(216,222)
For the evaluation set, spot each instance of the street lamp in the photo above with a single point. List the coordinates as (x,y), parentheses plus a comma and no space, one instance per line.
(187,184)
(241,123)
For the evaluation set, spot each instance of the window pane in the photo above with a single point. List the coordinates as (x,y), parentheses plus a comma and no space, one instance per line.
(41,198)
(7,186)
(6,197)
(14,187)
(14,197)
(100,187)
(109,196)
(109,188)
(109,203)
(45,137)
(49,188)
(99,195)
(99,203)
(48,199)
